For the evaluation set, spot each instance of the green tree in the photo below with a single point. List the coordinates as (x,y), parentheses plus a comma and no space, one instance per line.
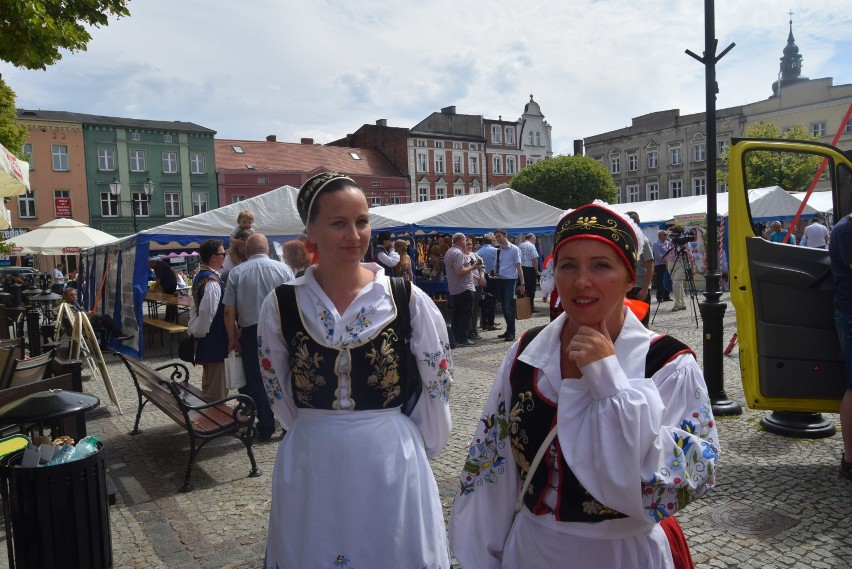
(566,182)
(32,32)
(12,136)
(792,171)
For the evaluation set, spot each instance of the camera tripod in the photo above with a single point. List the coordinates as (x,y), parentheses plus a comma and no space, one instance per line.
(681,257)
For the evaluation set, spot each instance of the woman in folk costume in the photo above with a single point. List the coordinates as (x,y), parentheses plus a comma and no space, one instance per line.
(352,484)
(634,435)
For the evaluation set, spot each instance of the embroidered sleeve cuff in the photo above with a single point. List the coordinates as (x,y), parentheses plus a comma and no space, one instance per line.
(605,377)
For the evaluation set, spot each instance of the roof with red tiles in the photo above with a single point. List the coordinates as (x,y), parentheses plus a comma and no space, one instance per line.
(296,157)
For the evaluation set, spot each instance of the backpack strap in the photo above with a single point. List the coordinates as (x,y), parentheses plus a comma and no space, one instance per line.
(663,349)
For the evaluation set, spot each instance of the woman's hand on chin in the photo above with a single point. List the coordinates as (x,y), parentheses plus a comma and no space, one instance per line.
(590,344)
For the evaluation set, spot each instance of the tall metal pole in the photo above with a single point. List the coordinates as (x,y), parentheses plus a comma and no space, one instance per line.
(712,309)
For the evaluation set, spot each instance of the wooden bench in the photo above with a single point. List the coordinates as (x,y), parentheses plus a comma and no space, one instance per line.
(173,330)
(187,406)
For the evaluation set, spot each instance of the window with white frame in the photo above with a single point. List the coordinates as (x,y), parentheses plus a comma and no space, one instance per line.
(652,191)
(818,128)
(847,130)
(106,159)
(474,187)
(675,157)
(632,162)
(651,158)
(473,147)
(457,164)
(167,138)
(510,135)
(457,146)
(614,164)
(721,148)
(439,144)
(197,163)
(721,188)
(496,135)
(199,203)
(440,192)
(421,143)
(141,203)
(135,136)
(473,165)
(26,205)
(237,198)
(28,155)
(537,138)
(458,190)
(59,153)
(375,201)
(676,188)
(698,153)
(109,205)
(497,164)
(172,203)
(394,200)
(510,165)
(699,186)
(532,138)
(439,162)
(170,163)
(137,161)
(423,193)
(632,193)
(65,196)
(422,162)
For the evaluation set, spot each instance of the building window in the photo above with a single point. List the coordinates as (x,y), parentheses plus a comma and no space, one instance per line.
(510,165)
(62,203)
(423,194)
(26,205)
(135,136)
(632,162)
(439,162)
(651,158)
(137,161)
(633,193)
(421,143)
(474,187)
(238,149)
(537,138)
(847,130)
(652,191)
(721,188)
(457,146)
(699,186)
(698,153)
(141,203)
(496,134)
(237,198)
(109,205)
(510,135)
(440,192)
(262,181)
(497,164)
(473,147)
(197,163)
(106,159)
(170,163)
(172,202)
(439,144)
(422,162)
(818,128)
(674,156)
(676,189)
(199,203)
(457,164)
(167,138)
(59,152)
(473,165)
(615,164)
(721,148)
(375,202)
(28,155)
(458,190)
(376,184)
(395,200)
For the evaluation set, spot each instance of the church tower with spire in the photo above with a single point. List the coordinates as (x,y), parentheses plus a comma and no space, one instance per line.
(791,64)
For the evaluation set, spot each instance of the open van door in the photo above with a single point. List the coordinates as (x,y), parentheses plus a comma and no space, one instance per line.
(790,357)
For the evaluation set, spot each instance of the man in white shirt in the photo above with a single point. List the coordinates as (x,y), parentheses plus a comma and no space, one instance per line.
(816,235)
(529,266)
(507,273)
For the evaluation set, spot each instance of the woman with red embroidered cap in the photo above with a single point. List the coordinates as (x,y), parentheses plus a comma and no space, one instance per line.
(352,479)
(595,431)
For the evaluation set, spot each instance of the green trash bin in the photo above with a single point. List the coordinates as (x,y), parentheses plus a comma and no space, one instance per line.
(56,516)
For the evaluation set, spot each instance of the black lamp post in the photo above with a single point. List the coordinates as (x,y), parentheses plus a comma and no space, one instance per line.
(115,189)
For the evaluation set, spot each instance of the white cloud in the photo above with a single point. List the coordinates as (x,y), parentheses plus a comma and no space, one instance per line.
(320,69)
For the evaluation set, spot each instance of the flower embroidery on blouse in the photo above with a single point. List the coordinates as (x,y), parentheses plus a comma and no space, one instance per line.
(385,363)
(440,362)
(351,332)
(268,373)
(305,366)
(484,461)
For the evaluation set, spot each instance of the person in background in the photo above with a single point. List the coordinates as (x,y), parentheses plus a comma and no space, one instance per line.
(479,283)
(296,256)
(459,271)
(237,250)
(385,254)
(488,253)
(529,266)
(508,275)
(167,280)
(840,252)
(660,247)
(352,481)
(58,276)
(404,268)
(620,414)
(207,320)
(816,235)
(245,220)
(100,322)
(777,234)
(644,270)
(679,263)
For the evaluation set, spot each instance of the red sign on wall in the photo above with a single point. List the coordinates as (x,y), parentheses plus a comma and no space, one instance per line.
(63,207)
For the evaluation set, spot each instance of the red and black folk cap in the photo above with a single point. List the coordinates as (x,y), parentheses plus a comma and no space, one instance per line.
(595,221)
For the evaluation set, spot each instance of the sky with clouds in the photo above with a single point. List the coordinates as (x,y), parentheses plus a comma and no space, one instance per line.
(322,68)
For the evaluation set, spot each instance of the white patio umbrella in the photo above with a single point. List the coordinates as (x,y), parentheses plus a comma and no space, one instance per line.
(59,237)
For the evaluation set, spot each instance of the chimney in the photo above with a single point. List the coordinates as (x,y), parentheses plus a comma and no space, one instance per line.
(307,141)
(382,122)
(451,110)
(271,138)
(578,147)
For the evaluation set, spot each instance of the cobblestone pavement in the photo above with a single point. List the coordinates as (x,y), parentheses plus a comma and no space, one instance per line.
(779,501)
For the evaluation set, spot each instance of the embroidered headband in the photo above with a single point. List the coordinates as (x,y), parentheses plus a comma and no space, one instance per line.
(312,188)
(593,221)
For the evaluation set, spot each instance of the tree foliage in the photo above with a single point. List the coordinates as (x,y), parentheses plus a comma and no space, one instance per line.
(12,136)
(32,32)
(793,171)
(566,182)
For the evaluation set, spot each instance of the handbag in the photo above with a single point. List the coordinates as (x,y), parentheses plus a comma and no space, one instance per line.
(186,349)
(235,375)
(412,386)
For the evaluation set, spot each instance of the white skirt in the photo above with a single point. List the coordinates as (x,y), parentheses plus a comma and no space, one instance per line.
(354,489)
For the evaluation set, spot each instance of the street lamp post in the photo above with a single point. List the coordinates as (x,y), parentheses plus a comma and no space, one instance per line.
(115,189)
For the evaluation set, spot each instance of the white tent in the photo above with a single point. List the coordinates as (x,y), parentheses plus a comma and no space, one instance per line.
(823,202)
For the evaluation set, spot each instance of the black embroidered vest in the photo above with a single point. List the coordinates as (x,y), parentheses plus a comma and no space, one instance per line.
(537,415)
(374,370)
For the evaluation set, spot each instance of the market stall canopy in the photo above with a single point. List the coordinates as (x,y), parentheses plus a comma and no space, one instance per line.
(475,213)
(821,201)
(14,174)
(59,237)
